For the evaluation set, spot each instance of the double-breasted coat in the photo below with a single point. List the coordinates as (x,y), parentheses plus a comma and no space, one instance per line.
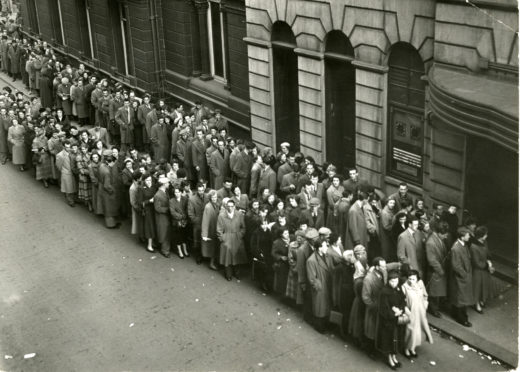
(437,258)
(461,275)
(219,165)
(319,274)
(230,231)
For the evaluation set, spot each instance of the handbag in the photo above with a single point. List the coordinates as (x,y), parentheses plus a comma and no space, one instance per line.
(403,319)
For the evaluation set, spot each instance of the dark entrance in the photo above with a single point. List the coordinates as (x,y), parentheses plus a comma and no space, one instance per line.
(492,195)
(340,100)
(285,76)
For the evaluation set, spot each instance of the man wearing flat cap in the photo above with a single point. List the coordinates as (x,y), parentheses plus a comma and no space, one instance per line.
(302,254)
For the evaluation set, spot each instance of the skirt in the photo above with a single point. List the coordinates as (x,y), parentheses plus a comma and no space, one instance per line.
(84,190)
(291,290)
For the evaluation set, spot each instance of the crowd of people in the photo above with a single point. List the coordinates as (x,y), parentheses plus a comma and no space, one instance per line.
(327,244)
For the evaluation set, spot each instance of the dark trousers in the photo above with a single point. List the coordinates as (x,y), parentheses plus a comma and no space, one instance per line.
(196,241)
(307,305)
(435,303)
(460,314)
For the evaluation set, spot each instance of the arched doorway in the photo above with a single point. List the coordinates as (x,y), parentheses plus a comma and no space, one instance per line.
(405,113)
(285,76)
(340,101)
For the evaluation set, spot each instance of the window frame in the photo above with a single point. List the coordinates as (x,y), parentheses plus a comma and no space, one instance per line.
(223,79)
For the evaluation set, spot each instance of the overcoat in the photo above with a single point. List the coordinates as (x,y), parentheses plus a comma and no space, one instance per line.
(230,231)
(357,226)
(209,229)
(195,210)
(15,136)
(461,278)
(198,155)
(162,216)
(281,268)
(437,257)
(482,284)
(5,122)
(267,179)
(319,274)
(387,243)
(14,56)
(64,164)
(79,97)
(108,190)
(372,285)
(219,166)
(63,94)
(161,144)
(410,251)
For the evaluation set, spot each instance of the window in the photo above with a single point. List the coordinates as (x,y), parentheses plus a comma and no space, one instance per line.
(83,16)
(56,21)
(406,113)
(216,35)
(33,16)
(121,38)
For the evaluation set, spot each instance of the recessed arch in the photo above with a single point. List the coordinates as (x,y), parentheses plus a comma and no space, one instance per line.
(340,100)
(285,85)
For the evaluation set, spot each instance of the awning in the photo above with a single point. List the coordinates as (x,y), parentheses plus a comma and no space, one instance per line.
(476,104)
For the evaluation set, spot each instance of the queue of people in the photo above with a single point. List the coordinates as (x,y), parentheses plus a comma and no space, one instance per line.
(191,189)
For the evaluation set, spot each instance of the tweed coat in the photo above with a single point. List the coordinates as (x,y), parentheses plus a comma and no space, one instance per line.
(162,216)
(219,166)
(319,274)
(230,232)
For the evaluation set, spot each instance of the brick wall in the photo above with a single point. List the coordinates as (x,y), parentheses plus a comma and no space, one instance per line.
(177,36)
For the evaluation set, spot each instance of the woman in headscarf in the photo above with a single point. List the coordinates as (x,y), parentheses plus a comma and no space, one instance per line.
(42,157)
(209,229)
(417,301)
(15,135)
(392,305)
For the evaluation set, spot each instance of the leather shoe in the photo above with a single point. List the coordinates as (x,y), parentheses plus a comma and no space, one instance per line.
(212,267)
(436,313)
(466,324)
(167,255)
(199,260)
(228,278)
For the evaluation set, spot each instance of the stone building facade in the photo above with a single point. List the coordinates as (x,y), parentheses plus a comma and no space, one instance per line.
(422,91)
(186,50)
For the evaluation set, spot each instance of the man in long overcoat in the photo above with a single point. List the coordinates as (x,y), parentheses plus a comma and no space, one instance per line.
(461,280)
(159,139)
(410,248)
(124,120)
(161,205)
(319,273)
(437,257)
(357,226)
(372,285)
(198,155)
(195,212)
(302,255)
(219,164)
(64,164)
(14,53)
(142,112)
(108,190)
(78,95)
(231,229)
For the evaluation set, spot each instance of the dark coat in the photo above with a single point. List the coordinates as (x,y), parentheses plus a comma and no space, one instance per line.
(461,279)
(437,257)
(219,166)
(108,190)
(372,285)
(387,330)
(279,253)
(209,229)
(357,226)
(161,144)
(267,179)
(162,216)
(319,274)
(306,215)
(125,123)
(78,95)
(198,156)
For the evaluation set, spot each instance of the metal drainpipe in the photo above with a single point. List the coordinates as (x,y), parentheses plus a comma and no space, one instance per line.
(156,56)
